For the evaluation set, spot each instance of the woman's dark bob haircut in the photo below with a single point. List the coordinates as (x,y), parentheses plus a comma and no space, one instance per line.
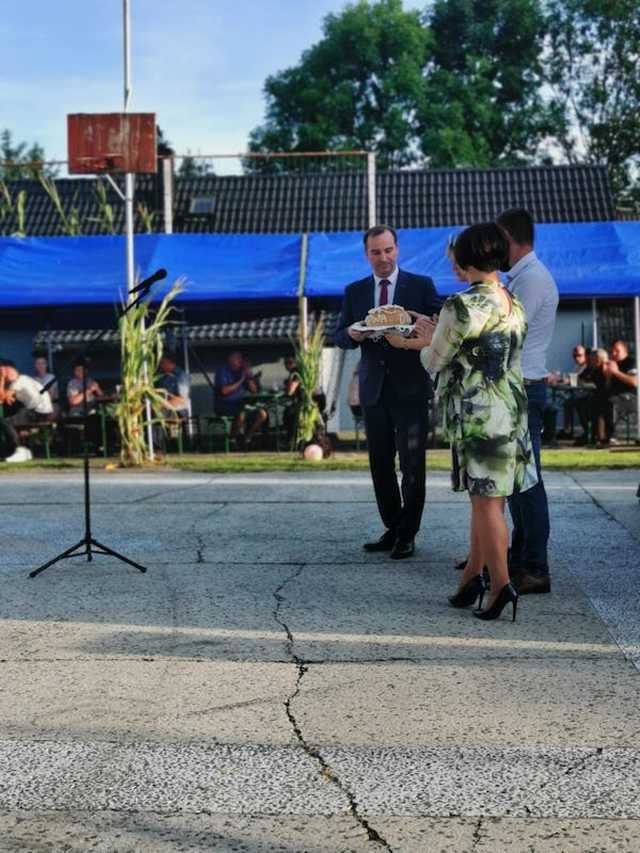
(482,246)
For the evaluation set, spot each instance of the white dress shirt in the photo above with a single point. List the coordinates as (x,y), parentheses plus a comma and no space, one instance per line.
(534,286)
(28,391)
(391,288)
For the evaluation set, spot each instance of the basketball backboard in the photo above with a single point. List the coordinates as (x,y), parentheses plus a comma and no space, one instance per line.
(111,142)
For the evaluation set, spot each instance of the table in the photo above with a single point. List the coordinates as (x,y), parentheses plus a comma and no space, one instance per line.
(274,402)
(565,393)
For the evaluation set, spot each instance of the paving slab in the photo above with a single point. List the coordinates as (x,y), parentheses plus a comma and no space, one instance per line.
(471,703)
(153,701)
(105,832)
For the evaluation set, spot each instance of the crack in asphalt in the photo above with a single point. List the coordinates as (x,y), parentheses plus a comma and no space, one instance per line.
(576,767)
(477,833)
(200,541)
(302,666)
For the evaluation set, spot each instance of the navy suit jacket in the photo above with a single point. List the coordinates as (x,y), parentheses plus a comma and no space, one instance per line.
(379,360)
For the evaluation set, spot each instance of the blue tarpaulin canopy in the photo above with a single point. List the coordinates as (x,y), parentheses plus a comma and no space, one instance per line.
(91,270)
(588,260)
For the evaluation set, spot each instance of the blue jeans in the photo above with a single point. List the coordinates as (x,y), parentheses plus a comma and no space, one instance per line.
(530,510)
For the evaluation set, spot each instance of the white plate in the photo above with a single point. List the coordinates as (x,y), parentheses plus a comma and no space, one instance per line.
(375,330)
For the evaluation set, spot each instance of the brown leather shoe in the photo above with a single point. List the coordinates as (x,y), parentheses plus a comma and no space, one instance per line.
(403,548)
(533,584)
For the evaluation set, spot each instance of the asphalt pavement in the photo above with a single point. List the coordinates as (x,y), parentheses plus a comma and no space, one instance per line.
(267,686)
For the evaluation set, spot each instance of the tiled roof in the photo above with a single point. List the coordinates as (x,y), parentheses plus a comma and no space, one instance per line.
(264,330)
(336,202)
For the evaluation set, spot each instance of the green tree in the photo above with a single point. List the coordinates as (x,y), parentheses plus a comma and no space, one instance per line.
(594,56)
(482,103)
(19,160)
(192,167)
(358,87)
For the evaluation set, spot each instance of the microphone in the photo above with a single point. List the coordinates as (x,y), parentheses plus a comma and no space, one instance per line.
(148,282)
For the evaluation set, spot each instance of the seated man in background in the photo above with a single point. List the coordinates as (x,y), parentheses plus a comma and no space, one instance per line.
(291,384)
(622,386)
(292,388)
(44,377)
(578,402)
(599,405)
(233,382)
(25,404)
(177,387)
(75,391)
(175,382)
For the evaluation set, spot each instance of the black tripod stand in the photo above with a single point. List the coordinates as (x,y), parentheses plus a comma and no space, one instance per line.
(88,545)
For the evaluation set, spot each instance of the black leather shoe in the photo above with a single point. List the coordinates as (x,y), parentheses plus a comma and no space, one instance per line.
(403,548)
(533,584)
(467,596)
(384,543)
(507,594)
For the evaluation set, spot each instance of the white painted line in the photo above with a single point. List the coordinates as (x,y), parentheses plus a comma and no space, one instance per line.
(327,637)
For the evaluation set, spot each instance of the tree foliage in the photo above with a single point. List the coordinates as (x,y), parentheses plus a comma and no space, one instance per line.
(594,62)
(469,83)
(194,167)
(19,160)
(482,102)
(459,86)
(357,88)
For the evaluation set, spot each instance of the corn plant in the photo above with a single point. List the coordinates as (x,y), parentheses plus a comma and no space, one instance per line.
(71,225)
(13,210)
(147,217)
(19,211)
(309,359)
(141,344)
(107,215)
(6,202)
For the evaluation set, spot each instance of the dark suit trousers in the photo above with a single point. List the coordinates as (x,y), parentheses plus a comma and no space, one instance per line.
(398,426)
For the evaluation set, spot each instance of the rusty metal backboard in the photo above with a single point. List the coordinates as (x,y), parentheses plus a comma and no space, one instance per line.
(111,142)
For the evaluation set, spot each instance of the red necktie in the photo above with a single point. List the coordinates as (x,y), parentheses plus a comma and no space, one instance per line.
(384,292)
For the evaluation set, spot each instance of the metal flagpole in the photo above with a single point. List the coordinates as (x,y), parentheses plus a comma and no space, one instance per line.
(372,215)
(128,200)
(303,305)
(594,324)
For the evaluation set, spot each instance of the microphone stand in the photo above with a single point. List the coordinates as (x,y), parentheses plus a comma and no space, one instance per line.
(88,545)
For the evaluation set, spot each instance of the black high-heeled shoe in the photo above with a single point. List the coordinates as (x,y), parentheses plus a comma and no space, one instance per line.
(507,594)
(468,594)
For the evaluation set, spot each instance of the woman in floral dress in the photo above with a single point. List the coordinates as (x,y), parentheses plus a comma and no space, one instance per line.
(474,350)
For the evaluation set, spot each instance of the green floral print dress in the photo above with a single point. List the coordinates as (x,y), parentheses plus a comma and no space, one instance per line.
(476,352)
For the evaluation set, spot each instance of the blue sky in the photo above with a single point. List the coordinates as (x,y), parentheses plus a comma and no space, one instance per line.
(198,64)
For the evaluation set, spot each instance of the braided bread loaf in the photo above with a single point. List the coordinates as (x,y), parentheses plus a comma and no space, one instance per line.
(388,315)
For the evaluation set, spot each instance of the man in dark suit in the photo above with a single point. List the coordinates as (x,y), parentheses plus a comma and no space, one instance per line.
(394,389)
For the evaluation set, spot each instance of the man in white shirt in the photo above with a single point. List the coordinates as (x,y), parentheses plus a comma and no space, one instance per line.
(42,375)
(534,286)
(31,405)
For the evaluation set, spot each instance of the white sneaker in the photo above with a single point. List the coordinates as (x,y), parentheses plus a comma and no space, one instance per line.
(21,454)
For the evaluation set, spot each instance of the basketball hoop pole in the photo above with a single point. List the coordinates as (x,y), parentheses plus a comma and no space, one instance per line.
(128,200)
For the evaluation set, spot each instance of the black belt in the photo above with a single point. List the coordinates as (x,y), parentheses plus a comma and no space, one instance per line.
(535,381)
